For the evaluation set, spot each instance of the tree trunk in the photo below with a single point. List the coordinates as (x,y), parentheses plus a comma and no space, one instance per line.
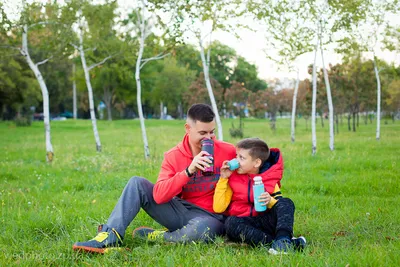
(322,119)
(348,121)
(378,101)
(139,90)
(74,102)
(107,98)
(180,110)
(330,104)
(337,123)
(366,118)
(306,124)
(358,119)
(354,121)
(314,103)
(293,123)
(45,93)
(90,92)
(209,89)
(161,110)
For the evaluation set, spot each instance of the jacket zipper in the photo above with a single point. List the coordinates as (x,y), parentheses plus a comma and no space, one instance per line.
(248,196)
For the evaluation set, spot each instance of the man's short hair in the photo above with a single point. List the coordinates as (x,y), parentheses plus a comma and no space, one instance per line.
(201,112)
(257,148)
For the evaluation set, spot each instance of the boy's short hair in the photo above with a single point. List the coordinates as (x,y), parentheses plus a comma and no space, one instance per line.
(201,112)
(257,148)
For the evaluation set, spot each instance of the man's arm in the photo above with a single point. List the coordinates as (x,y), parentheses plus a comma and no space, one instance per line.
(169,183)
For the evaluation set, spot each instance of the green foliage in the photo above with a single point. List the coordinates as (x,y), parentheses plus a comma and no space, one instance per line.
(346,200)
(23,121)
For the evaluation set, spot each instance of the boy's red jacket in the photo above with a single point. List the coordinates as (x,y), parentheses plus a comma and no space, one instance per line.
(198,189)
(242,203)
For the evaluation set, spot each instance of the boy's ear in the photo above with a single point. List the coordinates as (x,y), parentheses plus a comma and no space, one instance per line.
(258,163)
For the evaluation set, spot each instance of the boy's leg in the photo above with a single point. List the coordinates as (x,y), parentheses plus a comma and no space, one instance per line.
(185,221)
(246,230)
(280,219)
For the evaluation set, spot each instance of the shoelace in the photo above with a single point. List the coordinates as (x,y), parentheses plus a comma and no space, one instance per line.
(155,235)
(101,236)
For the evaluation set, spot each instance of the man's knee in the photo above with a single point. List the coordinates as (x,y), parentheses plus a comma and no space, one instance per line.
(140,182)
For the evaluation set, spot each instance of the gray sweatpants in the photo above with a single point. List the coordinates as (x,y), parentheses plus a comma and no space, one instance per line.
(185,221)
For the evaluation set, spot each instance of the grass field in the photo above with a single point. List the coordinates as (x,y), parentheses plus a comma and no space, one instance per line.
(347,201)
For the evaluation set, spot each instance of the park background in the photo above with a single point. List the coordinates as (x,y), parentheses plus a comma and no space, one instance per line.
(134,72)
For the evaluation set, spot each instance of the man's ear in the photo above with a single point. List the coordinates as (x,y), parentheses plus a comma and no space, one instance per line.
(258,163)
(187,127)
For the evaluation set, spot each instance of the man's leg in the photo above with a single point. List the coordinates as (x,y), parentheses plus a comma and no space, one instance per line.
(183,219)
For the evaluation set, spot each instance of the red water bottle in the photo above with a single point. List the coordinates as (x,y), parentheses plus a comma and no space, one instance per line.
(208,145)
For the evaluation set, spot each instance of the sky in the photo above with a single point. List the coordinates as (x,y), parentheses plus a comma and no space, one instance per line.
(252,46)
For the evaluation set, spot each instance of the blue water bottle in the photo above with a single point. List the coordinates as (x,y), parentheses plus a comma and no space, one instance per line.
(258,189)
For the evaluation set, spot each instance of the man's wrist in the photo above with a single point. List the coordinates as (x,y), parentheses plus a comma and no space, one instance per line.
(188,174)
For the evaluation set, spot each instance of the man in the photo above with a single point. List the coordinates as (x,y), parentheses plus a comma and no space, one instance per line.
(182,198)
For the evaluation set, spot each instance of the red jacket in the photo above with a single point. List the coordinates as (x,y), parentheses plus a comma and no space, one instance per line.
(242,203)
(198,189)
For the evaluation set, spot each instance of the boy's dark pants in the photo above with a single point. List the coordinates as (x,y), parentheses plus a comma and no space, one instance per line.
(264,228)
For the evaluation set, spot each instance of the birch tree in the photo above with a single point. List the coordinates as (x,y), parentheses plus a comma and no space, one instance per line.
(38,19)
(367,34)
(91,30)
(142,22)
(200,19)
(287,39)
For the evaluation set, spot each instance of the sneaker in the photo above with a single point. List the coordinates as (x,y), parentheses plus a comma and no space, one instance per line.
(148,234)
(281,246)
(299,243)
(105,240)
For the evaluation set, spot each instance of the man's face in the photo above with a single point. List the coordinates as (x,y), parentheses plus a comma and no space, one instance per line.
(246,162)
(197,131)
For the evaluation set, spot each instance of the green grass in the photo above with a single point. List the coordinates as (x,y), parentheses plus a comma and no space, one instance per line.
(347,201)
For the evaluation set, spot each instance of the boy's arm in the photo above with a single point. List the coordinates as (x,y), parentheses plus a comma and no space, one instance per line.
(275,196)
(222,195)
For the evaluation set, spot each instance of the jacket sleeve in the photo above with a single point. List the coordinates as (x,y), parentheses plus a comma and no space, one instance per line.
(275,196)
(222,195)
(169,183)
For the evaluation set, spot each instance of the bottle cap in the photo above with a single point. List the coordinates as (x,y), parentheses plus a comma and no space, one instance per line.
(257,178)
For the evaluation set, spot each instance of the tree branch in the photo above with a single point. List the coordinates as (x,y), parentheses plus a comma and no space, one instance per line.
(159,56)
(75,46)
(44,61)
(11,47)
(99,63)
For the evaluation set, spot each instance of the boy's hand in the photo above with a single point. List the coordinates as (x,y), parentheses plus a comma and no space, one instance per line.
(264,198)
(225,171)
(200,161)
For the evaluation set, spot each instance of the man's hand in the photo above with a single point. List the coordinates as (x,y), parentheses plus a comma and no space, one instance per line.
(225,171)
(199,162)
(264,198)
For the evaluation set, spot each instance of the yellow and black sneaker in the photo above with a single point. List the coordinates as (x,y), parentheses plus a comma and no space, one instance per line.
(148,234)
(106,239)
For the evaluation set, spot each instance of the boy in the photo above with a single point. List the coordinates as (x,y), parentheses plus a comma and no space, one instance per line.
(234,196)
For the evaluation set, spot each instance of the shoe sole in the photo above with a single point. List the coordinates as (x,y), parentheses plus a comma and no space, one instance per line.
(97,250)
(275,252)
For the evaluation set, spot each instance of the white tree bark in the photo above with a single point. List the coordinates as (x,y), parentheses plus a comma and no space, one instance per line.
(161,110)
(378,101)
(293,124)
(314,102)
(138,84)
(209,89)
(45,94)
(90,91)
(74,104)
(330,104)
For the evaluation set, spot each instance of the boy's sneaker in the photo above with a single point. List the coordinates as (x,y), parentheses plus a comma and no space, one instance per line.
(282,245)
(106,240)
(148,234)
(299,243)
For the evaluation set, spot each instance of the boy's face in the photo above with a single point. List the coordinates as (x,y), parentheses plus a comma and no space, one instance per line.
(248,165)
